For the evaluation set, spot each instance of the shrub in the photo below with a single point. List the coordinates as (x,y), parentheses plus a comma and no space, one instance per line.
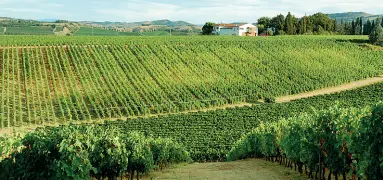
(270,100)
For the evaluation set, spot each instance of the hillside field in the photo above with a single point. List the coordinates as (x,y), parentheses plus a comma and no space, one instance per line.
(33,30)
(61,88)
(86,31)
(124,77)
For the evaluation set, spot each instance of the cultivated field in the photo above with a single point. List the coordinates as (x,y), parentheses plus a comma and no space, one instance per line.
(43,83)
(86,31)
(43,30)
(72,80)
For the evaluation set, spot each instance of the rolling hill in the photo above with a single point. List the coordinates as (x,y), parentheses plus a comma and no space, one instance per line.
(349,16)
(164,22)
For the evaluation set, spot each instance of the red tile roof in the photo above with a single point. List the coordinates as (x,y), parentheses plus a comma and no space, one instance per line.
(229,25)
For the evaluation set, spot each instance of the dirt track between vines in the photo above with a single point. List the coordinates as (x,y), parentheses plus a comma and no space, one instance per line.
(330,90)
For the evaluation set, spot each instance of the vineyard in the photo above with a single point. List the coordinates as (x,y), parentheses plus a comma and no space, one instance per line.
(343,141)
(86,31)
(43,30)
(113,149)
(64,79)
(209,136)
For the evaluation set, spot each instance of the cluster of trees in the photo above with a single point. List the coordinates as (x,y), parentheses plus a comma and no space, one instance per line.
(375,31)
(359,27)
(318,23)
(61,21)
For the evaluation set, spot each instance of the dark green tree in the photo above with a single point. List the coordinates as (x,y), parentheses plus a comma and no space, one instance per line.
(378,21)
(361,25)
(263,23)
(335,27)
(367,27)
(289,28)
(342,27)
(376,36)
(278,23)
(207,29)
(353,27)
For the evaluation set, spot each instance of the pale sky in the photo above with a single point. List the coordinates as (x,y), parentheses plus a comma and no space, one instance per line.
(194,11)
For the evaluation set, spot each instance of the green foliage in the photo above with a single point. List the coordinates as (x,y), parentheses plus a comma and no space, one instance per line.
(368,146)
(141,156)
(82,152)
(328,139)
(108,153)
(74,161)
(269,100)
(166,152)
(290,26)
(207,29)
(376,36)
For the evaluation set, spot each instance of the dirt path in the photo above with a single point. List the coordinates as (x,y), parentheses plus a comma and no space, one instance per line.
(330,90)
(255,169)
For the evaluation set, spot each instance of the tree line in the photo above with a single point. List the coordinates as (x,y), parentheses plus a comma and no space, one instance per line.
(318,23)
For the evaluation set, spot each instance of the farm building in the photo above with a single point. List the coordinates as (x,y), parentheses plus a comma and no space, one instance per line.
(235,29)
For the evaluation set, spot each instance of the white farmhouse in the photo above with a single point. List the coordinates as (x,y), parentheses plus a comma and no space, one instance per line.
(235,29)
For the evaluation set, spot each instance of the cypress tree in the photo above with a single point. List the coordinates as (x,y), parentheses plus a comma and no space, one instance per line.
(369,27)
(353,27)
(377,21)
(289,24)
(335,28)
(361,25)
(305,24)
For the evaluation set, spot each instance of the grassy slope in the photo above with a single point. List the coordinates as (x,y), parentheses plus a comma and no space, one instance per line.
(350,16)
(240,170)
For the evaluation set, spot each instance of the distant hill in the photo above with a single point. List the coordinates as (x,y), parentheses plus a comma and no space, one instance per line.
(169,23)
(349,16)
(5,18)
(147,26)
(47,20)
(164,22)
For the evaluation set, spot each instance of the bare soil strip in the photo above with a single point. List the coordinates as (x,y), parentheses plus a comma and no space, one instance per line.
(256,169)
